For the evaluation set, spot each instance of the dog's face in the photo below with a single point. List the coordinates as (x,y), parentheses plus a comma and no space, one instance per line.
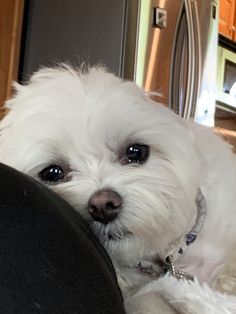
(126,164)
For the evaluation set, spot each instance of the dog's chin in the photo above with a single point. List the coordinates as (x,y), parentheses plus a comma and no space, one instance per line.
(110,232)
(123,246)
(113,238)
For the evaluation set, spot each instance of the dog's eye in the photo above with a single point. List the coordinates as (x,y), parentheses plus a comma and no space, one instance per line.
(137,153)
(52,173)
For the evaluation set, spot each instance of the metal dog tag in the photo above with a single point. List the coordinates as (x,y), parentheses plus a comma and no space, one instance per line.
(178,274)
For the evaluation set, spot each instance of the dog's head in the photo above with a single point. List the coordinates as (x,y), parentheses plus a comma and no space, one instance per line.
(127,164)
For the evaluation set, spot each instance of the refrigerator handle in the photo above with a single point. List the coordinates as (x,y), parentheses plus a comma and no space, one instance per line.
(194,57)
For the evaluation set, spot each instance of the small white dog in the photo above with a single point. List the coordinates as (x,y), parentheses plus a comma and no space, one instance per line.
(148,183)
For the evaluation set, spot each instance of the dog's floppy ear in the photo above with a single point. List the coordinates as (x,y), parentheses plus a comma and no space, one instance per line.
(16,89)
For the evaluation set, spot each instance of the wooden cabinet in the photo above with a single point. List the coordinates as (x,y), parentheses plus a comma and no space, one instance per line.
(234,26)
(11,15)
(227,19)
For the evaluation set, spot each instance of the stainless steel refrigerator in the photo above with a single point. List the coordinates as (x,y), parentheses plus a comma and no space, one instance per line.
(175,54)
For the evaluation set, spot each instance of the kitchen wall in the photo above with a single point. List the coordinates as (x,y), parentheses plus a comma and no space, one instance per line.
(74,31)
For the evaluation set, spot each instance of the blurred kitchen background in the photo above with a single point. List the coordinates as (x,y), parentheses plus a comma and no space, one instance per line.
(182,52)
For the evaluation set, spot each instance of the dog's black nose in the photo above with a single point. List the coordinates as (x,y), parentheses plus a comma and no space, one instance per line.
(104,205)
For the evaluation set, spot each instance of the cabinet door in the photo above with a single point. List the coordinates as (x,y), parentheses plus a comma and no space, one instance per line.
(11,15)
(227,16)
(234,23)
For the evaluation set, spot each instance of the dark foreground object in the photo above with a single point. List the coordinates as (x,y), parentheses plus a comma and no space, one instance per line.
(50,262)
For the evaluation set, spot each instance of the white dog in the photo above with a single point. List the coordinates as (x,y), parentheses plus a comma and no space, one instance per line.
(147,182)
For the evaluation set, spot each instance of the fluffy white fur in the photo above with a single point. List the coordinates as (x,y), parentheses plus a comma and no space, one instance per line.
(84,122)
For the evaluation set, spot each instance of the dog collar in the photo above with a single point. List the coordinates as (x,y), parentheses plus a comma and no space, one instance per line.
(199,223)
(161,266)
